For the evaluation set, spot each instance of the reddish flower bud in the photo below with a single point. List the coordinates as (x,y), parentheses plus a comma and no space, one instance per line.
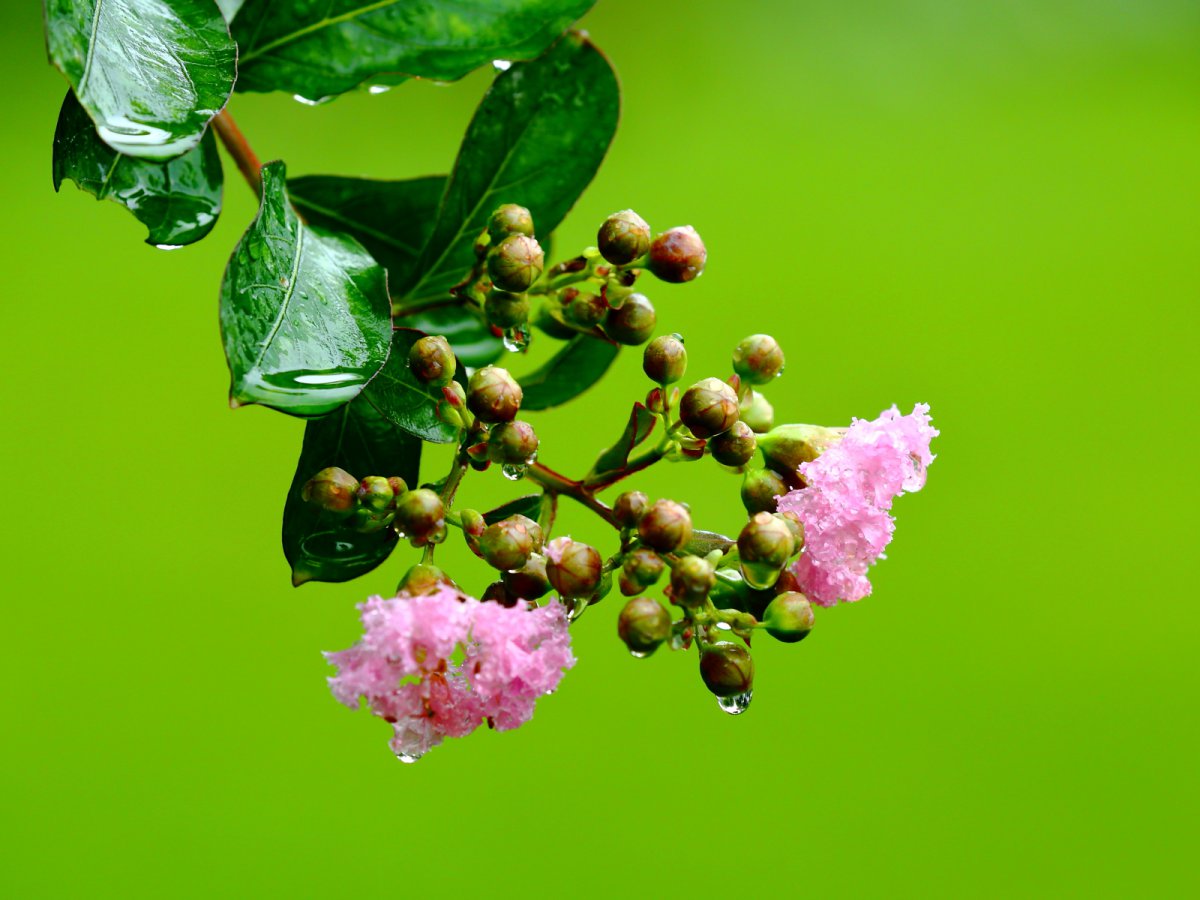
(586,310)
(677,255)
(514,443)
(643,566)
(727,669)
(629,508)
(758,359)
(505,310)
(516,263)
(529,582)
(421,579)
(506,545)
(735,447)
(509,219)
(573,568)
(709,407)
(643,625)
(334,490)
(493,395)
(691,580)
(375,493)
(760,488)
(666,526)
(623,237)
(632,322)
(665,360)
(764,546)
(431,361)
(420,517)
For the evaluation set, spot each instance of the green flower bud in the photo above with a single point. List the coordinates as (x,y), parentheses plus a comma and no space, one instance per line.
(530,581)
(789,617)
(627,585)
(709,407)
(677,255)
(506,545)
(665,360)
(586,310)
(786,447)
(764,547)
(796,527)
(509,219)
(757,359)
(505,310)
(573,568)
(420,516)
(632,322)
(760,487)
(623,237)
(472,522)
(494,395)
(691,580)
(666,526)
(727,669)
(643,567)
(514,443)
(375,493)
(396,483)
(334,490)
(757,412)
(643,625)
(534,529)
(516,263)
(432,361)
(370,521)
(422,579)
(629,508)
(735,447)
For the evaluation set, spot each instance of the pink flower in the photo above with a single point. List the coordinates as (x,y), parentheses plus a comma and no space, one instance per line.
(402,665)
(845,506)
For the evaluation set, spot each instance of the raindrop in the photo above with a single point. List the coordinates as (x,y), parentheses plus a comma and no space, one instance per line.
(379,89)
(514,471)
(502,65)
(168,246)
(640,654)
(408,757)
(516,339)
(737,704)
(724,626)
(310,102)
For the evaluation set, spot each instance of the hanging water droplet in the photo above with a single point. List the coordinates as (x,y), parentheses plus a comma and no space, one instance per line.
(779,374)
(408,757)
(640,654)
(737,704)
(724,626)
(379,89)
(168,246)
(502,65)
(516,339)
(514,471)
(310,102)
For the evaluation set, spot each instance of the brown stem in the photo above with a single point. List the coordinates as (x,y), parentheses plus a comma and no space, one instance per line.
(239,148)
(555,483)
(644,461)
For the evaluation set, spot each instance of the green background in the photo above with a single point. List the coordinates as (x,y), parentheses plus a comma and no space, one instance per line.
(988,206)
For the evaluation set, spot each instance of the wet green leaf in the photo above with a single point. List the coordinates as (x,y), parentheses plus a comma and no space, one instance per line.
(317,49)
(537,139)
(705,542)
(305,315)
(400,399)
(637,429)
(151,74)
(529,506)
(318,545)
(177,201)
(572,370)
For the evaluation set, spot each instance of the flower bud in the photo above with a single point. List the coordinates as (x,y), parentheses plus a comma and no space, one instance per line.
(623,237)
(472,522)
(496,592)
(760,488)
(573,568)
(795,526)
(375,493)
(530,581)
(643,567)
(643,625)
(370,521)
(421,579)
(532,527)
(505,310)
(516,263)
(432,361)
(633,322)
(735,447)
(691,580)
(727,669)
(420,516)
(764,547)
(665,526)
(506,545)
(757,359)
(786,447)
(586,310)
(677,255)
(334,490)
(509,219)
(757,412)
(709,407)
(396,483)
(494,395)
(789,617)
(514,443)
(627,585)
(665,360)
(629,508)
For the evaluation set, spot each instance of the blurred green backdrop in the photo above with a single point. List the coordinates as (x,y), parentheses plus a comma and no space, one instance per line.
(989,206)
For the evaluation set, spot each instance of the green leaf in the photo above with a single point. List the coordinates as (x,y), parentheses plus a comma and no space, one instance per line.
(400,399)
(637,429)
(705,542)
(177,201)
(529,506)
(392,219)
(572,370)
(305,314)
(150,73)
(317,49)
(537,139)
(320,546)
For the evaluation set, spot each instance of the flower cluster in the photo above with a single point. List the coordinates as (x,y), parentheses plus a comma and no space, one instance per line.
(845,507)
(403,665)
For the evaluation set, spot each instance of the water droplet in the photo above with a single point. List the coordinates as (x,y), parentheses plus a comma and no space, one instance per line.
(168,246)
(502,65)
(779,374)
(516,339)
(737,704)
(379,89)
(724,626)
(514,472)
(640,654)
(408,757)
(309,102)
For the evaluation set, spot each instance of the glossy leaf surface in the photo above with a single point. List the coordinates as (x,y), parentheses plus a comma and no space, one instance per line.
(178,201)
(580,363)
(637,429)
(401,400)
(537,139)
(529,506)
(150,73)
(317,48)
(305,315)
(323,547)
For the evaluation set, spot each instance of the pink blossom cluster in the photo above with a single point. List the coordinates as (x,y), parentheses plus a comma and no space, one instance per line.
(403,665)
(844,508)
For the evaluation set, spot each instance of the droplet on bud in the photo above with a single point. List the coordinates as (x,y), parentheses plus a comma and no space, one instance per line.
(514,472)
(516,338)
(737,704)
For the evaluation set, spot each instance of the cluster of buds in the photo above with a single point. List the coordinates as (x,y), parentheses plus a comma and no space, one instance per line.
(377,502)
